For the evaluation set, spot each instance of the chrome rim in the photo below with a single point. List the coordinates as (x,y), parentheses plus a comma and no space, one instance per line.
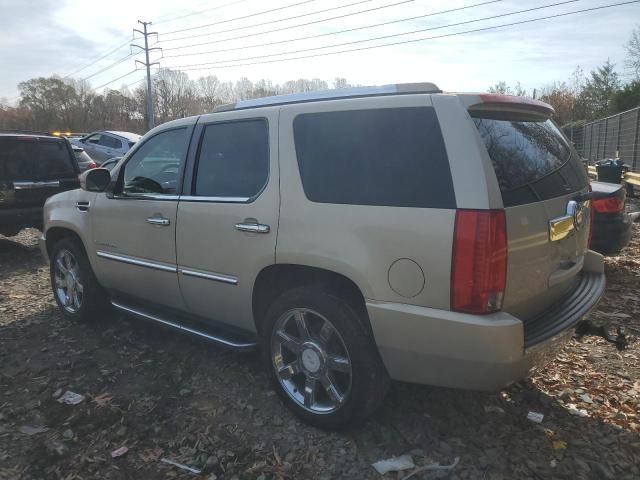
(68,287)
(311,361)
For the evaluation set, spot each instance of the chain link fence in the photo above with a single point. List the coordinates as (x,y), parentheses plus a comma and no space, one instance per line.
(611,137)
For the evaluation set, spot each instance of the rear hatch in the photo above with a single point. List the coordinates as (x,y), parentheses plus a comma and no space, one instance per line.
(33,168)
(540,179)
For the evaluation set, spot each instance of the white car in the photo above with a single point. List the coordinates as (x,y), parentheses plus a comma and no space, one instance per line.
(106,144)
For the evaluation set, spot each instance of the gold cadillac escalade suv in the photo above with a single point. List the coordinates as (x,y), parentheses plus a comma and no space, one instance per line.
(356,236)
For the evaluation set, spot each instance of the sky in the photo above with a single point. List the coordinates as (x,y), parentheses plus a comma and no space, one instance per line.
(60,37)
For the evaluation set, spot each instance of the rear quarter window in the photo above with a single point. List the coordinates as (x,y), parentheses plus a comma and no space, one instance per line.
(387,157)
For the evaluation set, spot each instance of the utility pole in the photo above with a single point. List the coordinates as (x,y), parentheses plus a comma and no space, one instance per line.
(145,34)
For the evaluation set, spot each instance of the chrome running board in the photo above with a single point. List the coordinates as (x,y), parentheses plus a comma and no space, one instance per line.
(234,344)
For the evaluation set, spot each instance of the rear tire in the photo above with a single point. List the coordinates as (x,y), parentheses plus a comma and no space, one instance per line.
(322,359)
(75,288)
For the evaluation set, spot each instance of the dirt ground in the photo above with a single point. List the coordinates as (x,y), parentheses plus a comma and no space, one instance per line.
(164,395)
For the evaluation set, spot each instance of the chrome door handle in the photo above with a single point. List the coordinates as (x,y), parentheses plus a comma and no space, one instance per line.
(158,221)
(253,227)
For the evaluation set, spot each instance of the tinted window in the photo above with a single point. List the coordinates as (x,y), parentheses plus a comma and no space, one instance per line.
(233,160)
(54,160)
(391,156)
(94,138)
(110,142)
(154,168)
(532,160)
(27,158)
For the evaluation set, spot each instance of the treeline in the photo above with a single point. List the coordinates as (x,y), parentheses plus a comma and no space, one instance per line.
(583,98)
(56,103)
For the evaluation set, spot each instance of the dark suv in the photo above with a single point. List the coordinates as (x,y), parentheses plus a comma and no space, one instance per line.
(33,166)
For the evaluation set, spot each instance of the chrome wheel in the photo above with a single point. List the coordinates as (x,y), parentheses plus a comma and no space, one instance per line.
(68,287)
(311,360)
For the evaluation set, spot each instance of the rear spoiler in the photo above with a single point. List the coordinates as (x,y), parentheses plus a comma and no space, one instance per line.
(510,104)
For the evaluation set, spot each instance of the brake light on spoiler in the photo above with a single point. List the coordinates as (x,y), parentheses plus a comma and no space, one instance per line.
(507,101)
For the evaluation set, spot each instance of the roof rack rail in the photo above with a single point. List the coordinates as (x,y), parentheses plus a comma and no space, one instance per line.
(24,132)
(334,94)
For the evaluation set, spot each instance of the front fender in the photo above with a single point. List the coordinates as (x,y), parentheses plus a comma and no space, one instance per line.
(61,212)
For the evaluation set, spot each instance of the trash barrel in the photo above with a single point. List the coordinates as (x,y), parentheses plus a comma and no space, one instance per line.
(611,170)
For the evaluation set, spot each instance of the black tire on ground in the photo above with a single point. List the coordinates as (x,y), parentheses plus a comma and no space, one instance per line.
(369,380)
(93,300)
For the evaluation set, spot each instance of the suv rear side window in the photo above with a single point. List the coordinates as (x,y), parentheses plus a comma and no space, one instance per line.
(531,159)
(388,157)
(233,159)
(27,157)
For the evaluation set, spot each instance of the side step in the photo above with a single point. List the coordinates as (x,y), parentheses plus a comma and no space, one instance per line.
(235,344)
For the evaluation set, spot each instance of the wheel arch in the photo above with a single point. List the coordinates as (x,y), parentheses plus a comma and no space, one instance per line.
(275,279)
(57,233)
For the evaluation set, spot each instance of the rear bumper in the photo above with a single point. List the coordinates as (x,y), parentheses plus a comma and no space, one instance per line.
(482,352)
(611,232)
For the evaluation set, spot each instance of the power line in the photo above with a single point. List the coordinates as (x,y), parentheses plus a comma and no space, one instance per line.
(117,62)
(384,37)
(494,27)
(173,19)
(104,55)
(279,21)
(126,75)
(243,17)
(332,33)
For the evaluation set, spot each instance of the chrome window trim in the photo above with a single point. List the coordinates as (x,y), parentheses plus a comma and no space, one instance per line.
(136,261)
(194,198)
(144,196)
(216,277)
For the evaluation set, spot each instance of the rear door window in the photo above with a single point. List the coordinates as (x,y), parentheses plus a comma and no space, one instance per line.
(233,159)
(387,157)
(110,142)
(532,159)
(54,160)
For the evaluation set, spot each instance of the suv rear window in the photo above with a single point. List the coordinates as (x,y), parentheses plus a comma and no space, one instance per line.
(389,157)
(531,159)
(24,157)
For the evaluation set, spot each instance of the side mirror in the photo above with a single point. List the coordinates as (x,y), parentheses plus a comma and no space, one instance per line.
(95,180)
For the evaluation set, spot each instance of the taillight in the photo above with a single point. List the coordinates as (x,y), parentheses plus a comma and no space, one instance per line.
(479,268)
(609,204)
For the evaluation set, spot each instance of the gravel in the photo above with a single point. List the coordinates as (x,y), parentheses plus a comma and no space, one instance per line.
(163,395)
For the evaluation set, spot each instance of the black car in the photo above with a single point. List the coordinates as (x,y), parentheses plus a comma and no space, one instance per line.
(33,166)
(611,230)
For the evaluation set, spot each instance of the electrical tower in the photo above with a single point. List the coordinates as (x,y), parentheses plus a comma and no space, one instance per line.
(145,34)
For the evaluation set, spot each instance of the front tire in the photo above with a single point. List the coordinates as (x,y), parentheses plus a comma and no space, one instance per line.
(322,359)
(75,288)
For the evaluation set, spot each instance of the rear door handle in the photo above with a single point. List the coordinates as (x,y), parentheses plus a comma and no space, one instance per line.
(253,227)
(163,222)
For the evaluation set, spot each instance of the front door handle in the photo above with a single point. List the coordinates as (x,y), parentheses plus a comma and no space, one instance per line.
(163,222)
(253,227)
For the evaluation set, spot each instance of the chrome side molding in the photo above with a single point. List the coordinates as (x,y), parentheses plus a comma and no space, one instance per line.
(239,345)
(216,277)
(136,261)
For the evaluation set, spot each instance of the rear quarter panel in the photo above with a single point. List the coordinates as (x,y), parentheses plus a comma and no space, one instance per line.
(362,242)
